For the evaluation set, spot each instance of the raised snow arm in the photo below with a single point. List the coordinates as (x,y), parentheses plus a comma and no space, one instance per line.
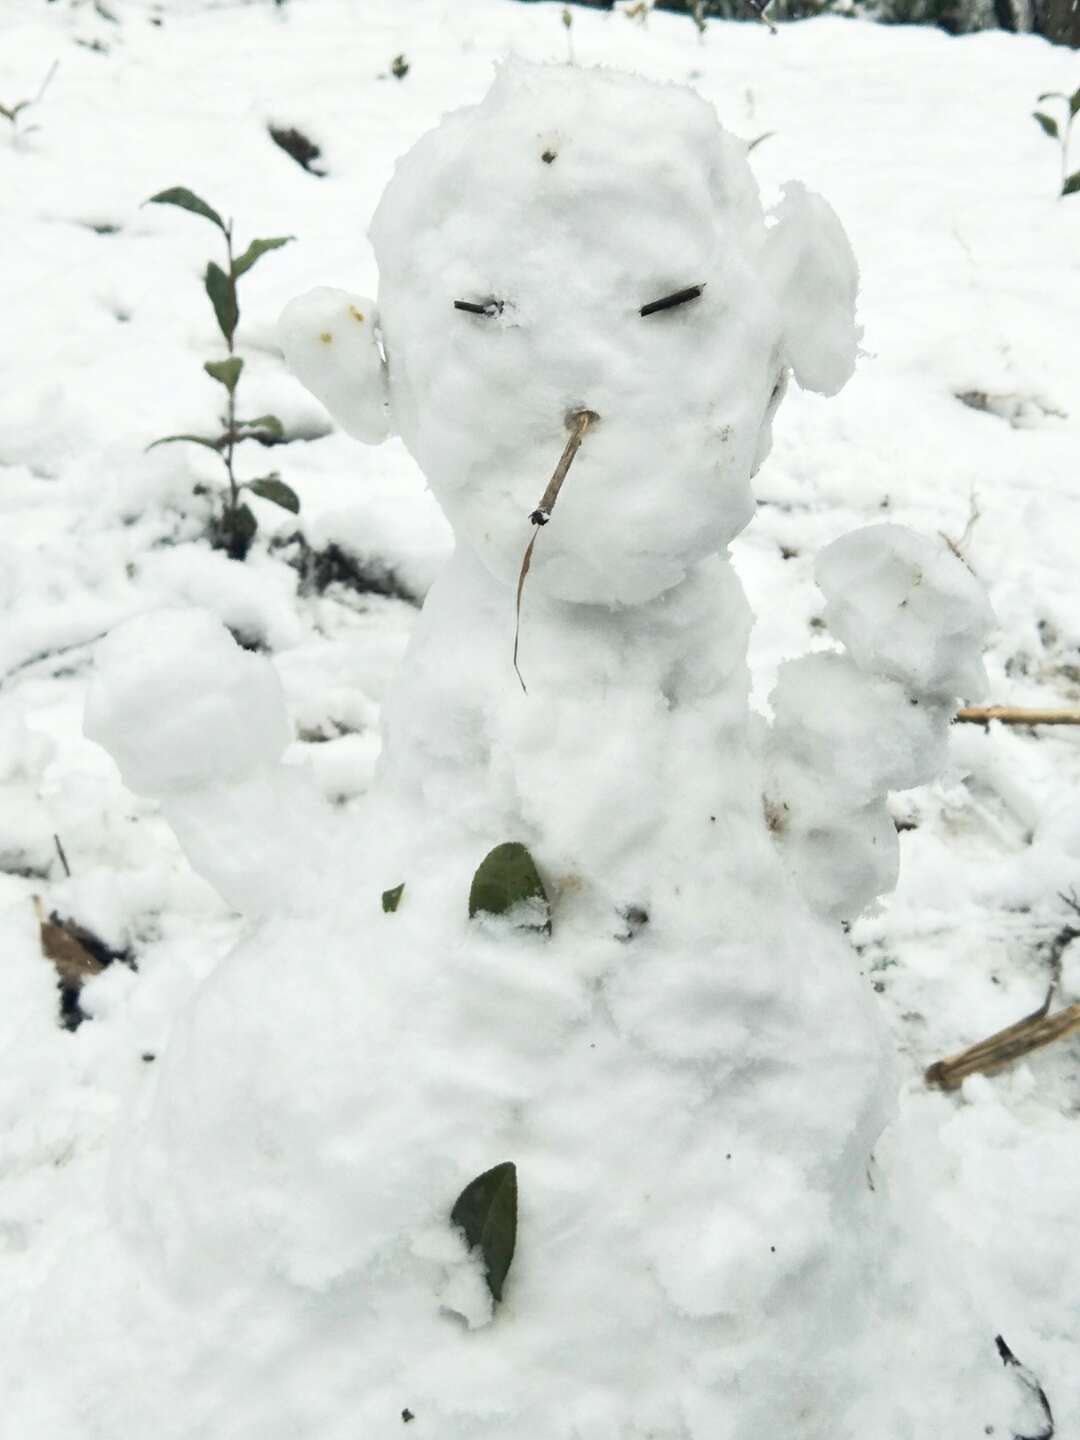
(199,724)
(848,728)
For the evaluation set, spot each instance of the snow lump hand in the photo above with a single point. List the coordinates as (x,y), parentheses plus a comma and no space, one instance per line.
(848,728)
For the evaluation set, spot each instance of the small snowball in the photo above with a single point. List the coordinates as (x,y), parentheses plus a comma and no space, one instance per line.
(853,735)
(841,860)
(178,704)
(907,608)
(329,339)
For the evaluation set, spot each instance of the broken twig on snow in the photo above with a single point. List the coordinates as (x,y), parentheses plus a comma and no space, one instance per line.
(1014,1042)
(1015,715)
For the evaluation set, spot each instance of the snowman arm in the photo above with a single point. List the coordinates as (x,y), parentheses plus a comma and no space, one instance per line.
(198,724)
(850,727)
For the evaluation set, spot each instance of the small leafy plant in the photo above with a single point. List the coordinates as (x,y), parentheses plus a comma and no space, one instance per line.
(1070,184)
(237,524)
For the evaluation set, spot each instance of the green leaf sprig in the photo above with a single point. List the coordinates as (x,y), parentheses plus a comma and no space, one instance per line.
(238,523)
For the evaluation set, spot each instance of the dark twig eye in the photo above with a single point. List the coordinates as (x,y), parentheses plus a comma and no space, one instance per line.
(489,307)
(669,302)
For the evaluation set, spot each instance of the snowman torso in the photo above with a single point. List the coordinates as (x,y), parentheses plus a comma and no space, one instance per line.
(632,735)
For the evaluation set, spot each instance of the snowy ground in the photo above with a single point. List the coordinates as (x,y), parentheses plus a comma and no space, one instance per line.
(924,145)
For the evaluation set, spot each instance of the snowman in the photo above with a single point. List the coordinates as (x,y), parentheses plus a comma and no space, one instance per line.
(599,1164)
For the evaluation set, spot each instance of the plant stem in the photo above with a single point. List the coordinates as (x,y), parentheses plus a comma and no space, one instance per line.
(231,412)
(1065,151)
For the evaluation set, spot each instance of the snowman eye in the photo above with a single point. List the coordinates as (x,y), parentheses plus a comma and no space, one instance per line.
(680,297)
(486,307)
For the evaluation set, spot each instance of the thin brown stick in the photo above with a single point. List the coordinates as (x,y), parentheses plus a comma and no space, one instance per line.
(1015,715)
(578,423)
(1006,1047)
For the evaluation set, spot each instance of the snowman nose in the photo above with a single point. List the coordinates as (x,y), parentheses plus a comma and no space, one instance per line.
(577,422)
(579,415)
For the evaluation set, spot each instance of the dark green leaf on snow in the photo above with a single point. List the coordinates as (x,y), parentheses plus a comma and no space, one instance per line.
(271,488)
(238,529)
(391,899)
(187,439)
(187,200)
(1072,184)
(486,1210)
(506,877)
(222,294)
(243,263)
(225,372)
(1049,125)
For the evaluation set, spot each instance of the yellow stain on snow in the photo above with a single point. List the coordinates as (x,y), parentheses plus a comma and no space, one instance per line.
(357,316)
(326,337)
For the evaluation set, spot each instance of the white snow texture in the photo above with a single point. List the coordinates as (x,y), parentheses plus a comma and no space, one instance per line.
(691,1100)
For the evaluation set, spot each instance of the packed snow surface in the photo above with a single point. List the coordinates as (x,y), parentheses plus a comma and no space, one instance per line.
(226,1195)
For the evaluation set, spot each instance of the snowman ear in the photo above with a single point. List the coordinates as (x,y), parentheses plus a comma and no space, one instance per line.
(811,271)
(331,344)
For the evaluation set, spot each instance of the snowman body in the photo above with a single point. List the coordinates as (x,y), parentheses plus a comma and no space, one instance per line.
(688,1072)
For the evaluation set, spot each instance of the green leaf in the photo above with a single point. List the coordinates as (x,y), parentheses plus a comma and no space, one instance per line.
(222,294)
(243,263)
(271,488)
(270,423)
(487,1212)
(507,877)
(1048,125)
(1074,102)
(187,200)
(753,144)
(1052,95)
(238,531)
(225,372)
(189,439)
(391,899)
(1072,184)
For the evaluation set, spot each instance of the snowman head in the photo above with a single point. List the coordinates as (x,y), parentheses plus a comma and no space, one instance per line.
(523,247)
